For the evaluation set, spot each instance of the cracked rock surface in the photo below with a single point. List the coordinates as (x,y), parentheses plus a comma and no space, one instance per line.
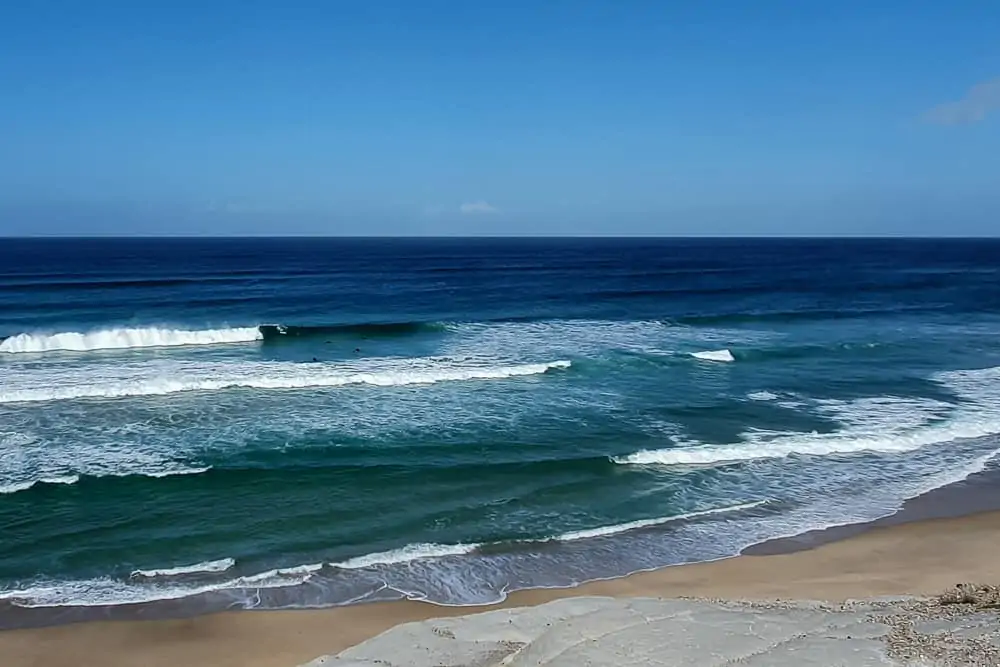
(633,632)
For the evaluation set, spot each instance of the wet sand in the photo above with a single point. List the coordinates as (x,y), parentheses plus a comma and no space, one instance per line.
(901,555)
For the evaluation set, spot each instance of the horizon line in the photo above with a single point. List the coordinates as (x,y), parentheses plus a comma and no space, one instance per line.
(487,237)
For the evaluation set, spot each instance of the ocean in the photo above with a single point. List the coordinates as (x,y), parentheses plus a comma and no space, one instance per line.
(280,423)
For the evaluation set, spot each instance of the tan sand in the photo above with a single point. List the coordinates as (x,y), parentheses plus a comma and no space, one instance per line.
(923,557)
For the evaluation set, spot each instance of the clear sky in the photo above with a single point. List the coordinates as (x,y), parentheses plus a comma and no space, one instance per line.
(500,117)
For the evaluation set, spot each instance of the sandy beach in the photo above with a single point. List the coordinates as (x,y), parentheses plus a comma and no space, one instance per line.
(917,558)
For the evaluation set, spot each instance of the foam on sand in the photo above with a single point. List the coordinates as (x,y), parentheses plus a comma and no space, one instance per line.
(125,338)
(714,355)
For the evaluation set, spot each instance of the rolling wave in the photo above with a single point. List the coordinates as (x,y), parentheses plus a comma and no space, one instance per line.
(174,583)
(882,425)
(406,554)
(804,315)
(119,339)
(67,480)
(875,438)
(110,591)
(24,486)
(647,523)
(279,332)
(424,551)
(220,565)
(123,338)
(278,375)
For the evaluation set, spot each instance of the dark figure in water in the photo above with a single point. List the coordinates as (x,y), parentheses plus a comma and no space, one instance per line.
(356,350)
(315,359)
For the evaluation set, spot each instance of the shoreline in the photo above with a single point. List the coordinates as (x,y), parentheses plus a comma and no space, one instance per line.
(933,542)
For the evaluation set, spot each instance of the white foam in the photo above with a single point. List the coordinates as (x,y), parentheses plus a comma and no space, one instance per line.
(177,471)
(109,591)
(762,396)
(296,571)
(24,486)
(714,355)
(589,338)
(117,339)
(880,424)
(814,444)
(645,523)
(412,552)
(14,439)
(153,380)
(220,565)
(406,554)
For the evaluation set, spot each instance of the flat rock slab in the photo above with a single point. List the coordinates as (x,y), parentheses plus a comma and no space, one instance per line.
(633,632)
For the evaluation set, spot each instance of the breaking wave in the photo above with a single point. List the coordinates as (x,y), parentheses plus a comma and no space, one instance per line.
(647,523)
(24,486)
(406,554)
(110,591)
(220,565)
(765,445)
(70,479)
(118,339)
(412,552)
(714,355)
(189,580)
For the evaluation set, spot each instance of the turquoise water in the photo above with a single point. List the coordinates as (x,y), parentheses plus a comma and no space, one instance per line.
(315,422)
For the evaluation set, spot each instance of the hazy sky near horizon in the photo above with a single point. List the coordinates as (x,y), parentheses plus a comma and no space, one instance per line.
(513,117)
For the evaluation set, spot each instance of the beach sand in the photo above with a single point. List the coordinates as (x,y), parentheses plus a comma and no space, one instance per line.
(922,557)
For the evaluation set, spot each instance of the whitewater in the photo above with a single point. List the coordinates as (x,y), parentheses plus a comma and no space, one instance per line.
(169,378)
(449,421)
(125,338)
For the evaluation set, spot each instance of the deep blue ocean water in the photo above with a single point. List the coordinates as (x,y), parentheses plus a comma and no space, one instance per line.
(308,422)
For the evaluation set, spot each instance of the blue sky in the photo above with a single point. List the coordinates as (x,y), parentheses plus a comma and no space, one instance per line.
(482,117)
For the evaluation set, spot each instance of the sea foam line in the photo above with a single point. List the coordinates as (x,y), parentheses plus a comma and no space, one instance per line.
(883,424)
(426,551)
(646,523)
(124,338)
(108,591)
(274,376)
(209,566)
(760,446)
(24,486)
(406,554)
(15,487)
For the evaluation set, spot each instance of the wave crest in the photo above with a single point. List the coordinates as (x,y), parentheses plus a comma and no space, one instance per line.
(24,486)
(406,554)
(714,355)
(760,446)
(66,480)
(210,566)
(126,338)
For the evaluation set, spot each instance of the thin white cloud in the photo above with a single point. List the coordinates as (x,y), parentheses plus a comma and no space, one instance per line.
(477,207)
(981,100)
